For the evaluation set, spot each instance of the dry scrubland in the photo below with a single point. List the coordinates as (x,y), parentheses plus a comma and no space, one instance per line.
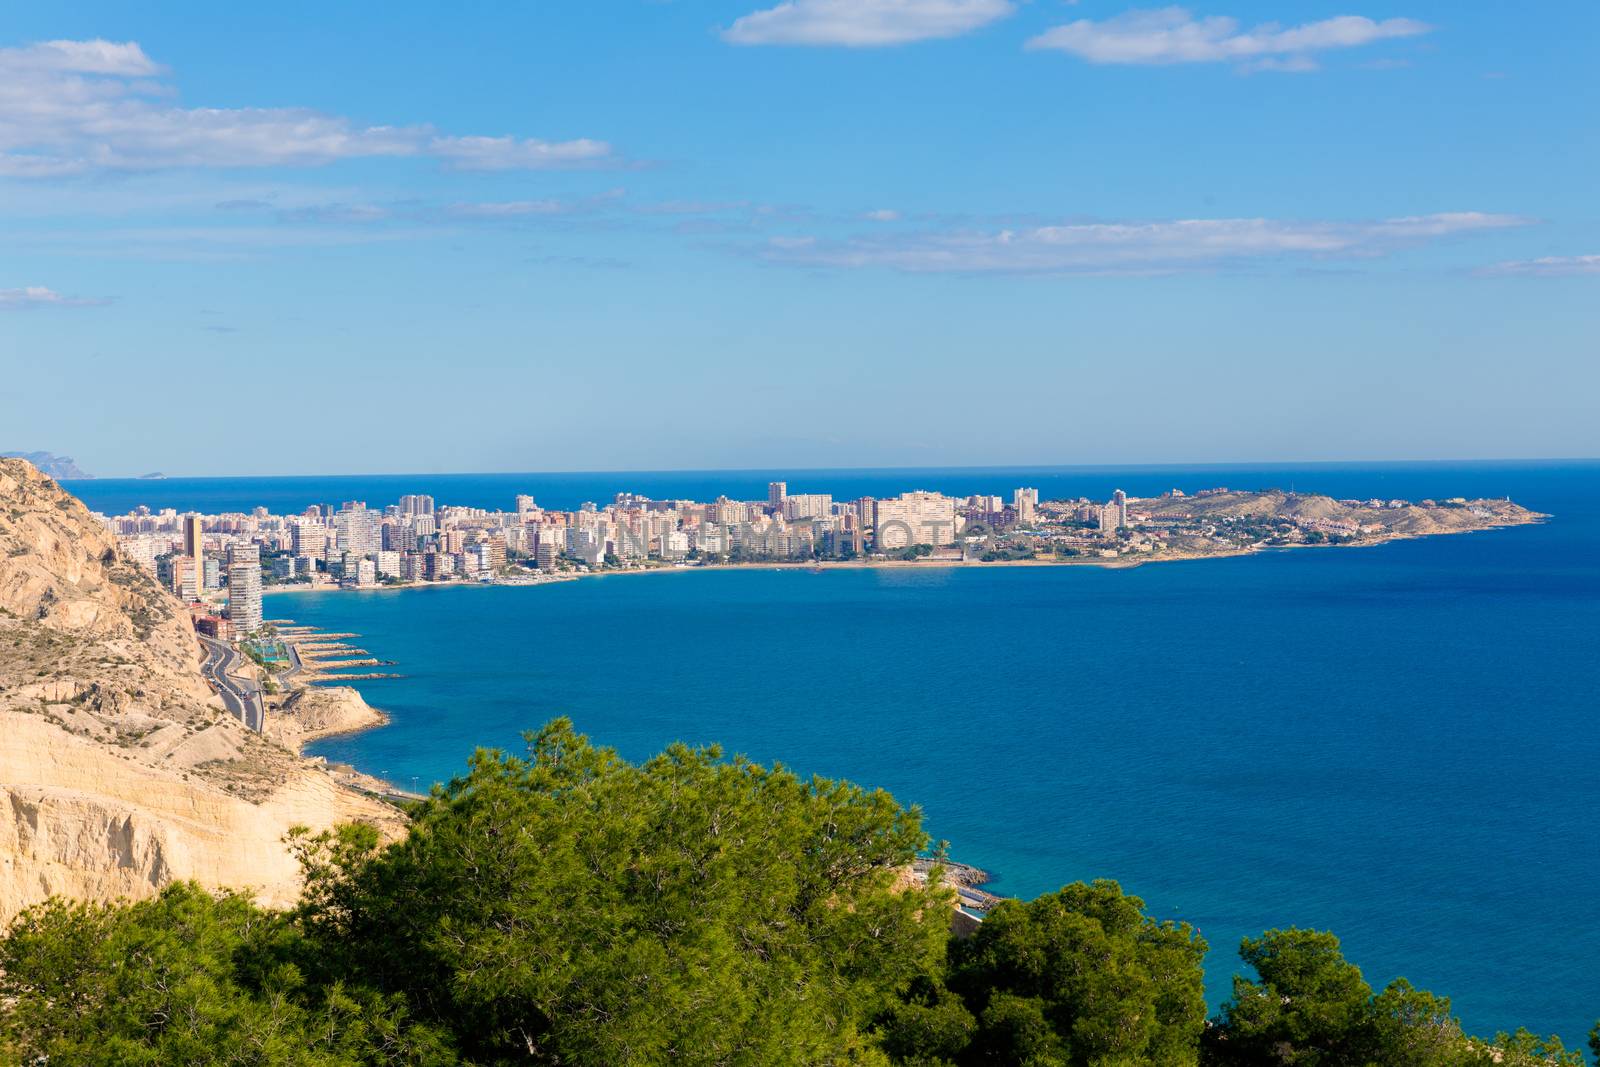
(119,771)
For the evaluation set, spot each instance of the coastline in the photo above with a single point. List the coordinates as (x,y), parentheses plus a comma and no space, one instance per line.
(310,713)
(1127,562)
(354,715)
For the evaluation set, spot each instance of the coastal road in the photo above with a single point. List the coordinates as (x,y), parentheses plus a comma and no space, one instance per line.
(295,665)
(241,697)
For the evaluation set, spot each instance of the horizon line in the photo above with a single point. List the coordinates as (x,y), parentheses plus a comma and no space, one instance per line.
(1151,466)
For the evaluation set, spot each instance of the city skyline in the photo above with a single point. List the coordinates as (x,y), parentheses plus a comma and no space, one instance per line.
(885,233)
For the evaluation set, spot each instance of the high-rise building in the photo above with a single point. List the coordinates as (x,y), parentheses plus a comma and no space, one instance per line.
(244,588)
(1114,513)
(308,537)
(194,538)
(413,504)
(776,491)
(356,530)
(545,553)
(807,506)
(915,518)
(674,544)
(493,551)
(186,577)
(1025,501)
(866,508)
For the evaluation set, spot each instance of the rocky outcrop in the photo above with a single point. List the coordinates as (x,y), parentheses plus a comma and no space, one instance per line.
(314,712)
(119,771)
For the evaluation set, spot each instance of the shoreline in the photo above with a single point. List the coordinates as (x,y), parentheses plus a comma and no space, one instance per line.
(309,713)
(373,718)
(1119,563)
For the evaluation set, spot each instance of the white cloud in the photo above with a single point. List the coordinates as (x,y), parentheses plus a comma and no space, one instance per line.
(1281,65)
(1174,35)
(507,209)
(37,296)
(1549,267)
(512,153)
(1090,248)
(82,57)
(864,23)
(73,107)
(882,215)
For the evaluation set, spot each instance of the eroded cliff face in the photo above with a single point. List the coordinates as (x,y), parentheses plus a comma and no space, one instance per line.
(321,711)
(119,771)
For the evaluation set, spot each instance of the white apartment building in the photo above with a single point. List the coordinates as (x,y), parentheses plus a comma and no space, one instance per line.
(244,588)
(807,506)
(915,518)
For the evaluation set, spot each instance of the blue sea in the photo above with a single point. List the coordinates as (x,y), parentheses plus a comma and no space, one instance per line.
(1396,743)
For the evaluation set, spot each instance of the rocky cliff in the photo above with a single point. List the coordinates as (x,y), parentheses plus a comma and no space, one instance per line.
(119,771)
(320,711)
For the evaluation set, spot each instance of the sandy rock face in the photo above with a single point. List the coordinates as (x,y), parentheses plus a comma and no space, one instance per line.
(119,771)
(322,711)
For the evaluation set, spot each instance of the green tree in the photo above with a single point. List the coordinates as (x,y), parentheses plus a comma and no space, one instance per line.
(1522,1049)
(1415,1027)
(930,1028)
(572,907)
(1082,977)
(1307,1006)
(187,979)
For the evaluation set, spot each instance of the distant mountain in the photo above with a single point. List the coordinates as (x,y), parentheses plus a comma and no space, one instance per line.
(152,474)
(53,465)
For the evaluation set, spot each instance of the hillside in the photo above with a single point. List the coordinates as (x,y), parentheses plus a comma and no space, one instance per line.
(119,772)
(1405,520)
(50,464)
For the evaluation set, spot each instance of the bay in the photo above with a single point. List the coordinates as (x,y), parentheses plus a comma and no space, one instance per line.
(1396,743)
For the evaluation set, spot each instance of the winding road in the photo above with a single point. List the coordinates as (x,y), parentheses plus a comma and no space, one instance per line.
(295,666)
(242,697)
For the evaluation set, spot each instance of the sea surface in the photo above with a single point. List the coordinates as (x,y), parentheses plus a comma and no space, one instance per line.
(1396,743)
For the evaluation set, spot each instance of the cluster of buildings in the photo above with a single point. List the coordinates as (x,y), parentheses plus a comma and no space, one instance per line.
(212,559)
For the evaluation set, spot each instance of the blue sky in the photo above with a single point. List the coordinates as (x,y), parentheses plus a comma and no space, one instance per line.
(308,238)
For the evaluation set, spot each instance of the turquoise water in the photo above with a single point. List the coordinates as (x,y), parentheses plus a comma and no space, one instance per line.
(1396,743)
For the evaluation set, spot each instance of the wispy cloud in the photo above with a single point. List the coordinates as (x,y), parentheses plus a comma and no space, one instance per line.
(507,209)
(864,23)
(1174,35)
(337,213)
(201,243)
(1126,248)
(513,153)
(37,296)
(75,107)
(1548,267)
(609,207)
